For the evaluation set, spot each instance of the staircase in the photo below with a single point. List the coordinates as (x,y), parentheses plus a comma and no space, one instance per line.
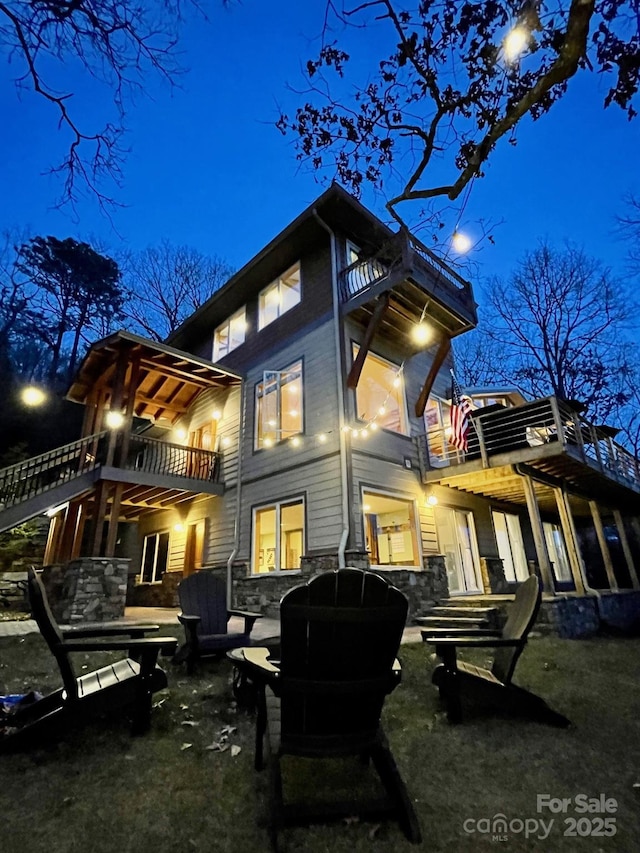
(450,614)
(32,486)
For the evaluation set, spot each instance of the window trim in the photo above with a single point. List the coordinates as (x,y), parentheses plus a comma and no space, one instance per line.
(404,413)
(417,531)
(215,356)
(277,505)
(277,282)
(278,429)
(156,534)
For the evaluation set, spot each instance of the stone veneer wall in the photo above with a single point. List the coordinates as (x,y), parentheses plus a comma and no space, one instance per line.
(262,593)
(493,577)
(89,589)
(163,594)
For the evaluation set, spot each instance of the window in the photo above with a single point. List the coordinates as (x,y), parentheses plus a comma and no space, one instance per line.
(457,544)
(278,537)
(155,551)
(279,405)
(380,394)
(557,552)
(510,546)
(437,422)
(279,297)
(390,530)
(230,334)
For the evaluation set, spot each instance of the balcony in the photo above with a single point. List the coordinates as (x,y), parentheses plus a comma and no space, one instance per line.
(545,435)
(413,276)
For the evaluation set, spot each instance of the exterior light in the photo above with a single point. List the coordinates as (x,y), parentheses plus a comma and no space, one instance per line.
(322,438)
(432,500)
(355,433)
(364,433)
(295,441)
(216,414)
(421,333)
(514,43)
(179,527)
(373,426)
(460,242)
(180,434)
(382,410)
(114,420)
(226,441)
(32,396)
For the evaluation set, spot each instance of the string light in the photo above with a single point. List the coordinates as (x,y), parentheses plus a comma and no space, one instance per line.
(460,242)
(514,43)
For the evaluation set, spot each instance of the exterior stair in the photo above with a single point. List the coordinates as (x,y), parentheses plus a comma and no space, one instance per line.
(446,617)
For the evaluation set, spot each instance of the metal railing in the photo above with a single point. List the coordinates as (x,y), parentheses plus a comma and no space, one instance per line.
(160,457)
(408,253)
(26,479)
(536,424)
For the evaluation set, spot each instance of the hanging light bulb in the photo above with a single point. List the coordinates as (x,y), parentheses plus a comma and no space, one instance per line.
(460,242)
(421,333)
(514,43)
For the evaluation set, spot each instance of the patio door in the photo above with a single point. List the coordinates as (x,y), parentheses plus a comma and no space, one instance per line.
(457,543)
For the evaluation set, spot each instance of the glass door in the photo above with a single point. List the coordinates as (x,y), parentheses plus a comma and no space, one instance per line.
(457,543)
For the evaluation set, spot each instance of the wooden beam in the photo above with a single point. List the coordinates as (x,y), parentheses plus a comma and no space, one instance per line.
(604,547)
(442,352)
(626,549)
(538,534)
(112,530)
(571,540)
(99,513)
(356,368)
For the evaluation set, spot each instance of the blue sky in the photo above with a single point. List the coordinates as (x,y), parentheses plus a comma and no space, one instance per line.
(207,167)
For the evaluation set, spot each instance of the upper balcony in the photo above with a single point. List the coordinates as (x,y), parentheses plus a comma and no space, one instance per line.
(546,435)
(412,276)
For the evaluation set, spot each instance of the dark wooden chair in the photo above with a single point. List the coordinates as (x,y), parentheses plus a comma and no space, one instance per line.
(203,601)
(494,687)
(127,684)
(340,633)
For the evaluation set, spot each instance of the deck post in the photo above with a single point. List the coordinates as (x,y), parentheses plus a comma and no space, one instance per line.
(626,549)
(604,548)
(570,538)
(542,552)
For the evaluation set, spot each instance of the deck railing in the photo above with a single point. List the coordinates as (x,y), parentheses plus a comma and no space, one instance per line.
(38,474)
(406,252)
(160,457)
(537,424)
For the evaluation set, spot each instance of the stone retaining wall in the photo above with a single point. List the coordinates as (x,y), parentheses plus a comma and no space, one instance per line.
(163,594)
(89,589)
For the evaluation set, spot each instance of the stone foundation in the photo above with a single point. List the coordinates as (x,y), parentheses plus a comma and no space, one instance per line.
(163,594)
(90,589)
(620,611)
(493,578)
(570,617)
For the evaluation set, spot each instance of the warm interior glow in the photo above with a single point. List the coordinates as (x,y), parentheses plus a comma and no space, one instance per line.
(460,242)
(114,420)
(322,438)
(514,43)
(295,441)
(421,333)
(32,396)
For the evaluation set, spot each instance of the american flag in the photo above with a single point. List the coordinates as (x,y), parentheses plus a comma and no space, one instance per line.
(460,409)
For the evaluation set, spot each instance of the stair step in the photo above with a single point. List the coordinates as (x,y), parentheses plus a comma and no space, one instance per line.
(452,622)
(464,612)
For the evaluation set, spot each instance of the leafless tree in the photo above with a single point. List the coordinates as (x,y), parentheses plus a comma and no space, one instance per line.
(629,227)
(166,284)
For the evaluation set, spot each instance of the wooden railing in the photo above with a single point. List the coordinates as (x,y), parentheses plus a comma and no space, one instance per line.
(38,474)
(159,457)
(26,479)
(407,253)
(537,424)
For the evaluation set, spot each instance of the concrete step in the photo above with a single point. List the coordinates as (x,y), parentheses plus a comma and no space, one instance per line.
(465,612)
(452,622)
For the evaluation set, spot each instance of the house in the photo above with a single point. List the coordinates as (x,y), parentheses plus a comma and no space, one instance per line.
(298,422)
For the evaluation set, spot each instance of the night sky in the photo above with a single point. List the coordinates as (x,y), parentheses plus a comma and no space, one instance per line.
(207,167)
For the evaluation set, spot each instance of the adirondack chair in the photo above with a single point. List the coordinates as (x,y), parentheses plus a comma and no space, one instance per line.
(340,633)
(203,600)
(127,684)
(494,687)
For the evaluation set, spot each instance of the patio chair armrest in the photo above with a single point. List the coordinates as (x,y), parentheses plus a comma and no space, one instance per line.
(189,622)
(166,645)
(248,616)
(134,631)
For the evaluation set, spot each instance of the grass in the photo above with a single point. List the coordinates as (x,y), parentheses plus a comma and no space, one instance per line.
(98,790)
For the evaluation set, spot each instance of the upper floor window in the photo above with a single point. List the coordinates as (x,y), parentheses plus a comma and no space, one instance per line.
(230,334)
(279,405)
(437,421)
(380,394)
(279,297)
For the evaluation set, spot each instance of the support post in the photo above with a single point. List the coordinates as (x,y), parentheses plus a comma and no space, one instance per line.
(626,549)
(540,543)
(604,548)
(569,533)
(112,530)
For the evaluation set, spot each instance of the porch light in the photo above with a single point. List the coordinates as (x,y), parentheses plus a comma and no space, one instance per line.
(179,527)
(114,420)
(421,333)
(226,441)
(432,500)
(322,438)
(295,441)
(514,43)
(32,396)
(460,242)
(216,414)
(180,434)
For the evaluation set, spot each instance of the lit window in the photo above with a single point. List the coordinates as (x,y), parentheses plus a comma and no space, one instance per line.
(278,537)
(230,334)
(510,546)
(437,421)
(155,550)
(390,530)
(279,297)
(557,551)
(279,405)
(380,394)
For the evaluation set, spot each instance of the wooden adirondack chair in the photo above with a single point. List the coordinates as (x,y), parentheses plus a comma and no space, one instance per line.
(203,600)
(340,633)
(127,684)
(495,687)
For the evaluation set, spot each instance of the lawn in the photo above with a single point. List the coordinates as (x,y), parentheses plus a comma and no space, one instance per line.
(101,791)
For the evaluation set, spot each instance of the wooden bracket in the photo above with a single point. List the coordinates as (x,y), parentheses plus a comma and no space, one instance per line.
(356,368)
(438,361)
